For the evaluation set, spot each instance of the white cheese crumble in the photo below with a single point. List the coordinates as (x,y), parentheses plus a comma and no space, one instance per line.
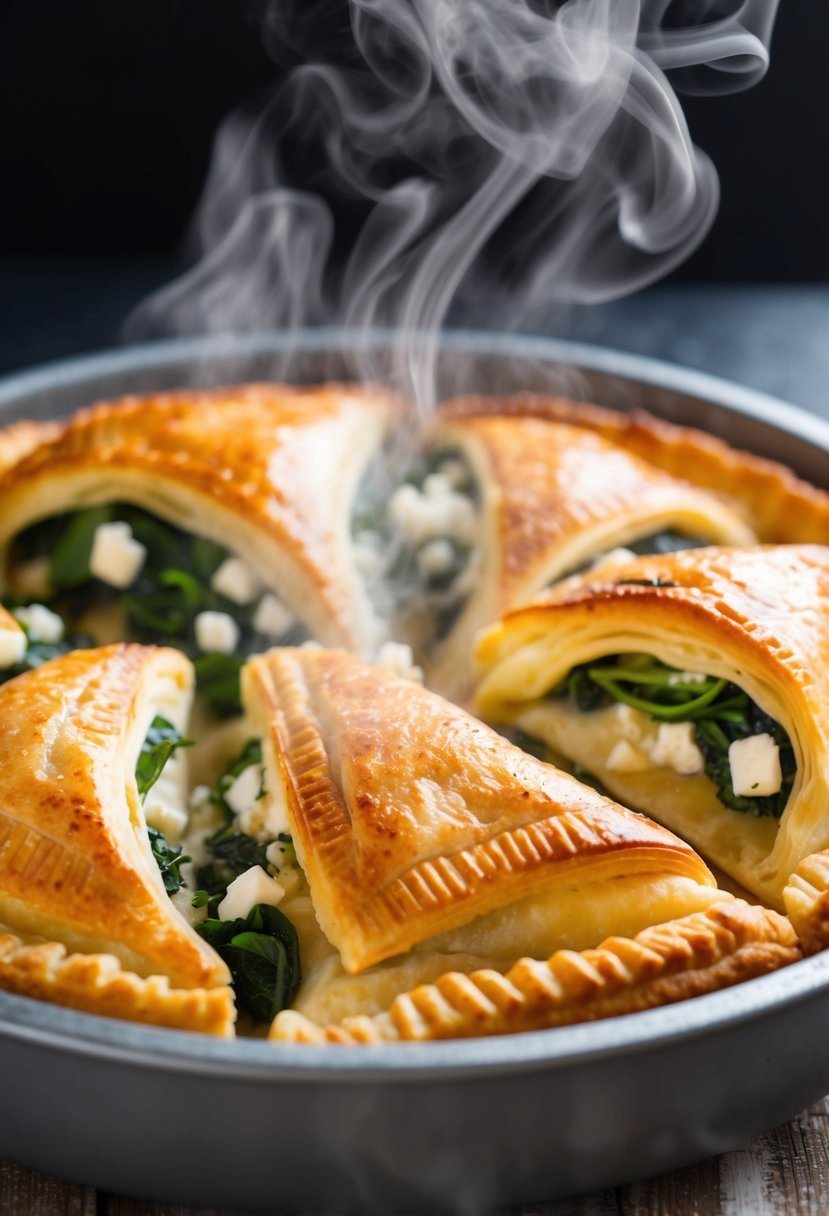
(613,557)
(12,646)
(625,757)
(437,511)
(675,748)
(687,677)
(436,557)
(216,632)
(755,766)
(398,658)
(243,794)
(42,624)
(272,617)
(236,581)
(116,556)
(249,889)
(168,820)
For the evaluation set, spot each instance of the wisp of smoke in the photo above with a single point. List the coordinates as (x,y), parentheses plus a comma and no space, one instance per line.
(418,152)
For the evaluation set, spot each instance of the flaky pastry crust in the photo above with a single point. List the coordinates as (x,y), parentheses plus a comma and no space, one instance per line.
(753,616)
(554,496)
(729,942)
(411,818)
(76,865)
(268,471)
(97,983)
(780,507)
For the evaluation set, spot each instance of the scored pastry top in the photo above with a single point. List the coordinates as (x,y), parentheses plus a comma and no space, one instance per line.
(410,817)
(76,865)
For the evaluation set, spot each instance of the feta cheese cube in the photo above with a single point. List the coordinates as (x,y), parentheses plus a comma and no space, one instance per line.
(398,658)
(755,766)
(253,887)
(272,617)
(626,758)
(216,633)
(168,820)
(42,624)
(436,557)
(244,793)
(675,748)
(116,556)
(630,723)
(237,581)
(12,646)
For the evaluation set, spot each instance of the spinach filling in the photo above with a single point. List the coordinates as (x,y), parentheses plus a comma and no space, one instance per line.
(721,713)
(654,545)
(261,949)
(162,741)
(172,588)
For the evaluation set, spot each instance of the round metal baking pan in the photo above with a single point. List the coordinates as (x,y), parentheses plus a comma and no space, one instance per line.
(457,1126)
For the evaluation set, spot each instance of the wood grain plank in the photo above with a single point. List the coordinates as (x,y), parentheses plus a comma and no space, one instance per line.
(25,1192)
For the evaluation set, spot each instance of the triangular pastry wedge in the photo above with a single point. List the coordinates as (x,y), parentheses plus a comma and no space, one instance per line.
(694,687)
(552,498)
(729,942)
(76,865)
(416,823)
(97,983)
(269,472)
(780,507)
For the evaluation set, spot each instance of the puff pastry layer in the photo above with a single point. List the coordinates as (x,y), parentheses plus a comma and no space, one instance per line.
(411,819)
(76,865)
(756,617)
(268,471)
(728,943)
(97,983)
(553,496)
(777,505)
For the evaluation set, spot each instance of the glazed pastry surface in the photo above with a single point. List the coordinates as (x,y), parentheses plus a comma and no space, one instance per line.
(416,823)
(555,496)
(755,617)
(76,865)
(779,507)
(267,471)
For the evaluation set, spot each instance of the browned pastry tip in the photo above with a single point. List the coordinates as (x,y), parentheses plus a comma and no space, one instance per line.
(779,506)
(730,942)
(97,983)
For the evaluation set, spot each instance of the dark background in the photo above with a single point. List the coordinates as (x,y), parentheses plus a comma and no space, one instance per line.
(108,109)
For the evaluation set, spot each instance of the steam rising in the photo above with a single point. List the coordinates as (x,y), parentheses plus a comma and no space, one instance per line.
(422,152)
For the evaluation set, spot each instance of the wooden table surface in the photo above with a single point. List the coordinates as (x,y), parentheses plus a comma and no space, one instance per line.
(783,1172)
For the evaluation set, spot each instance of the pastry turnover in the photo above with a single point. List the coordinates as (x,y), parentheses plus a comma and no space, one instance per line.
(76,866)
(777,505)
(743,629)
(729,942)
(554,498)
(267,471)
(419,828)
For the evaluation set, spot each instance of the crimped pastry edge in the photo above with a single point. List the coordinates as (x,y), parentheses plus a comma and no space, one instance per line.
(98,984)
(806,897)
(729,942)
